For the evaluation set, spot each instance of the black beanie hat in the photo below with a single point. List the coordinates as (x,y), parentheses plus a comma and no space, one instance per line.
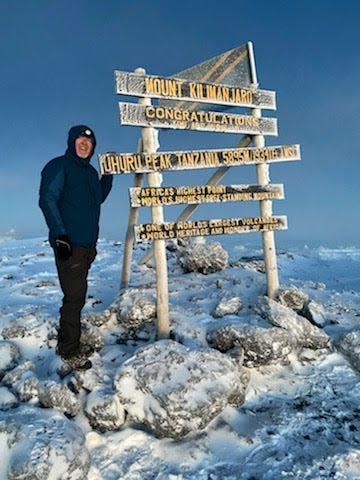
(80,131)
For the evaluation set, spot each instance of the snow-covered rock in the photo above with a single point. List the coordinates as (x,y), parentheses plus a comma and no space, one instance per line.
(302,332)
(349,345)
(23,381)
(135,308)
(9,356)
(7,399)
(104,411)
(92,337)
(43,444)
(203,257)
(293,298)
(260,346)
(229,306)
(315,312)
(55,395)
(174,390)
(98,319)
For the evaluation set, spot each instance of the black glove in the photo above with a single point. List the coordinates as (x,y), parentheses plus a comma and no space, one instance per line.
(63,249)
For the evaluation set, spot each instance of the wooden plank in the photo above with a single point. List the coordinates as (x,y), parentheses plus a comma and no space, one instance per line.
(197,228)
(148,197)
(175,118)
(119,163)
(179,89)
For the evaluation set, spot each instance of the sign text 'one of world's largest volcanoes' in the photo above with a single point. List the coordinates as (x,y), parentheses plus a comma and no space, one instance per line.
(198,228)
(166,117)
(180,89)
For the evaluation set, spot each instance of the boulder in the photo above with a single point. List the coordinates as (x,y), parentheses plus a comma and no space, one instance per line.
(60,397)
(315,312)
(174,390)
(230,306)
(43,444)
(23,381)
(9,356)
(104,411)
(349,345)
(259,346)
(135,308)
(203,257)
(7,399)
(292,298)
(302,332)
(92,337)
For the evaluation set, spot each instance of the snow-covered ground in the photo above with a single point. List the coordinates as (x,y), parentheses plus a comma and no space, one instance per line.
(300,418)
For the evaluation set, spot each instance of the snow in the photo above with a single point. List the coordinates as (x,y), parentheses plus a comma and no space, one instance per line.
(300,419)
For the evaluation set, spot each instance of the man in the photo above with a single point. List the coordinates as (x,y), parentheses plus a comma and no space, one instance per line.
(71,194)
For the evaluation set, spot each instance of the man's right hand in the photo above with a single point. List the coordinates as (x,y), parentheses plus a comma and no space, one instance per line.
(63,249)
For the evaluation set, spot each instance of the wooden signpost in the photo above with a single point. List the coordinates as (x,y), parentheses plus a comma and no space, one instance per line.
(179,108)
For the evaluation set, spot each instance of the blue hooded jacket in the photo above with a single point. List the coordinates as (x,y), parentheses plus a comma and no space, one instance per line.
(71,194)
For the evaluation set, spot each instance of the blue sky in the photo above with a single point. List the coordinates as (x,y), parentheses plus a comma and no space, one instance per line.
(57,61)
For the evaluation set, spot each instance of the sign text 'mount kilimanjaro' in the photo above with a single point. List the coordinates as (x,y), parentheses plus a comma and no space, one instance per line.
(194,195)
(118,163)
(198,228)
(164,117)
(180,89)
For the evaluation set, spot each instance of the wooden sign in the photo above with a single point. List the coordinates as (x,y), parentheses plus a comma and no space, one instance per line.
(150,196)
(178,89)
(165,231)
(164,117)
(118,163)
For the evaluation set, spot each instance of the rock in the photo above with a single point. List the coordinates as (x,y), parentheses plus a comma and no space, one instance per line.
(203,257)
(43,444)
(174,390)
(92,337)
(104,411)
(315,312)
(292,298)
(259,346)
(14,330)
(7,399)
(54,395)
(98,319)
(9,356)
(302,332)
(136,307)
(229,306)
(15,375)
(23,381)
(349,345)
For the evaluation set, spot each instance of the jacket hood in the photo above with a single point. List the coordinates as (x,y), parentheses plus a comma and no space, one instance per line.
(80,131)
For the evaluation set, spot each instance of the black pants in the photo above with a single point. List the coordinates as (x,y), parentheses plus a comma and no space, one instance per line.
(73,281)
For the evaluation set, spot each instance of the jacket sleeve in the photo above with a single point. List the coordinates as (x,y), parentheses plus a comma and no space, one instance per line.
(106,184)
(51,187)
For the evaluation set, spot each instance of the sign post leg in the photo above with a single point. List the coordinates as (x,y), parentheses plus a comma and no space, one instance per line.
(129,239)
(150,144)
(263,178)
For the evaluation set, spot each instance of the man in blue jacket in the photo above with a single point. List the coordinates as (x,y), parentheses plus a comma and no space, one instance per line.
(71,194)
